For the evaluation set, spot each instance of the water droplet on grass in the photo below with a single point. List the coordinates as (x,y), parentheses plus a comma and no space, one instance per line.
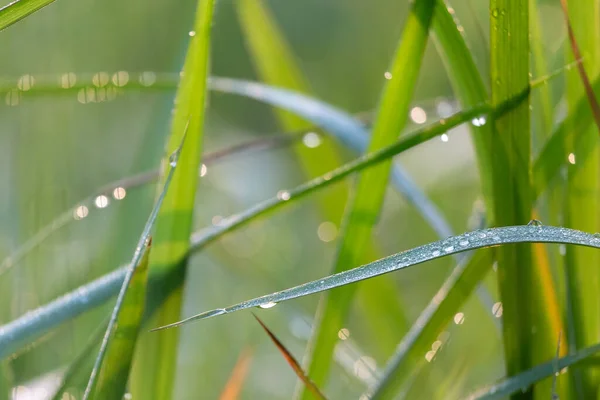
(270,304)
(535,222)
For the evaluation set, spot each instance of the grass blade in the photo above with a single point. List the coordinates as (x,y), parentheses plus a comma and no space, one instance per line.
(32,325)
(555,155)
(154,369)
(441,248)
(521,295)
(583,189)
(233,387)
(310,386)
(19,9)
(135,279)
(365,206)
(525,379)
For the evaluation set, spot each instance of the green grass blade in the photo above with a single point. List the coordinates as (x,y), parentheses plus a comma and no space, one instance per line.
(408,357)
(468,87)
(112,361)
(555,154)
(32,325)
(109,376)
(525,379)
(154,369)
(441,248)
(19,9)
(365,206)
(522,298)
(543,118)
(583,190)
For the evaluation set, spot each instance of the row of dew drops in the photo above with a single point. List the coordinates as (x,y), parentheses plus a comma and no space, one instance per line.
(104,87)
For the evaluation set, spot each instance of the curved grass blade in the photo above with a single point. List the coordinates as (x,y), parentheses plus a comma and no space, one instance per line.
(233,387)
(365,206)
(154,369)
(19,9)
(135,278)
(525,379)
(310,386)
(84,362)
(27,328)
(441,248)
(345,128)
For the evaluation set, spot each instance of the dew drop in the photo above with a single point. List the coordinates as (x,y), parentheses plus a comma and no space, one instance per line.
(283,195)
(449,249)
(495,13)
(464,243)
(436,253)
(173,159)
(270,304)
(535,222)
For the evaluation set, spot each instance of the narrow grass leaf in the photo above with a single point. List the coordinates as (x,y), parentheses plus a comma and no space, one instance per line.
(589,92)
(555,155)
(234,385)
(581,210)
(154,368)
(31,326)
(366,204)
(453,245)
(19,9)
(310,386)
(527,378)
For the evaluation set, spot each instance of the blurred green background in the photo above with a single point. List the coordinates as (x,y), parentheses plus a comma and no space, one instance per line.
(60,146)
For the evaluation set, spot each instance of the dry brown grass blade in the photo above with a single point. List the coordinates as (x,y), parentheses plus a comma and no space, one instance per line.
(234,384)
(584,77)
(292,362)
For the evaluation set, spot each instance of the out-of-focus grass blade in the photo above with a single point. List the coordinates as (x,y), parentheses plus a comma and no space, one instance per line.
(31,326)
(345,128)
(233,387)
(277,66)
(581,210)
(592,29)
(555,155)
(366,204)
(408,357)
(525,379)
(5,381)
(19,9)
(453,245)
(82,364)
(310,386)
(109,377)
(154,368)
(544,115)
